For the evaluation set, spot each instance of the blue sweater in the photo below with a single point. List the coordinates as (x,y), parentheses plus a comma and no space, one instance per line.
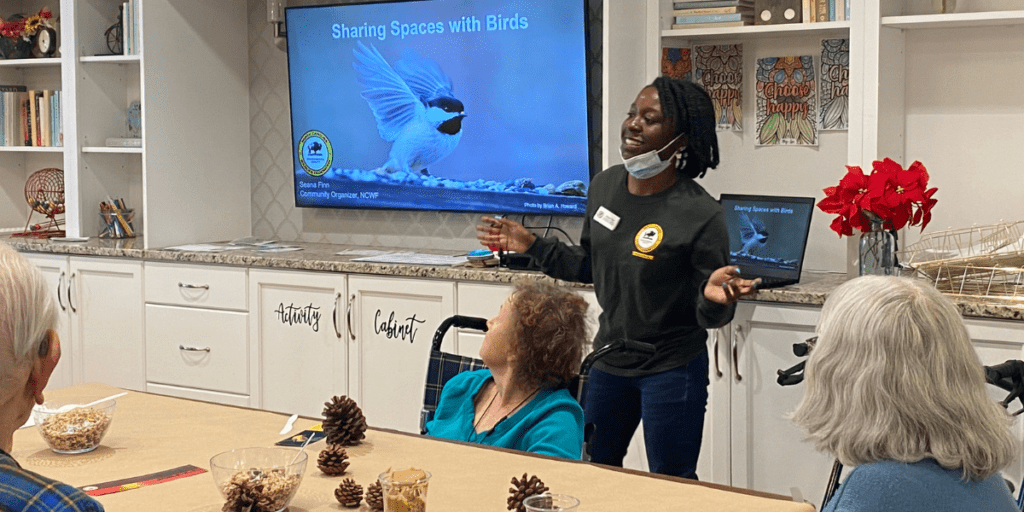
(919,486)
(551,423)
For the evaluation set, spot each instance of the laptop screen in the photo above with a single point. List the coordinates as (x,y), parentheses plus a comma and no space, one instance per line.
(767,234)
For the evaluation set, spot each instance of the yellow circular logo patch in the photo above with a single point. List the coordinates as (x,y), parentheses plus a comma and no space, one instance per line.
(648,238)
(315,153)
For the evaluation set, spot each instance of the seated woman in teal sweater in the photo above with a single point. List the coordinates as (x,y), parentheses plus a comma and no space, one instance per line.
(532,348)
(894,387)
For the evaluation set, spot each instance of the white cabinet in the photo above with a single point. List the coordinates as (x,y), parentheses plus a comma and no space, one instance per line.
(189,181)
(392,323)
(997,341)
(762,438)
(301,345)
(197,337)
(105,297)
(101,319)
(55,270)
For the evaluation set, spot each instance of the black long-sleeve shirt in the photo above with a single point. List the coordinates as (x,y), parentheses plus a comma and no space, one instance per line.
(649,272)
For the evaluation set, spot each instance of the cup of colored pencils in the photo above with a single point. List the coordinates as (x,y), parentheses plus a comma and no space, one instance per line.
(116,220)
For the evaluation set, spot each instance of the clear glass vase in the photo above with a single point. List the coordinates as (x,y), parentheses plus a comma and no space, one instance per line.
(877,251)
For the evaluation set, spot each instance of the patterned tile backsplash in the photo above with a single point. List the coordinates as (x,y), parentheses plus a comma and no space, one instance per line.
(274,214)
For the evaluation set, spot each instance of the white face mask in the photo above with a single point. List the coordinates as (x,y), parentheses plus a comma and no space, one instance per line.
(649,164)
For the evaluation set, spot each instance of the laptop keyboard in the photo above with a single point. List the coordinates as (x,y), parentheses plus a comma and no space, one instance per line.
(774,282)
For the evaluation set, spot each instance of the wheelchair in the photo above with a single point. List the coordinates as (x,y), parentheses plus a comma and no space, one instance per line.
(1009,376)
(442,366)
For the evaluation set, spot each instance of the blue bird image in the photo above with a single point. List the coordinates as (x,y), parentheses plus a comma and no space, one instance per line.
(415,107)
(753,234)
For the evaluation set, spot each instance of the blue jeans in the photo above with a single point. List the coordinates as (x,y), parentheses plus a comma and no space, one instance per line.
(672,405)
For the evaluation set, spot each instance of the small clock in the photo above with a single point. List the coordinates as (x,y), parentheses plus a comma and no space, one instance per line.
(45,42)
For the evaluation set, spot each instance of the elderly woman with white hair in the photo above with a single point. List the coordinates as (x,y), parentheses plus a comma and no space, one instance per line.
(894,387)
(29,351)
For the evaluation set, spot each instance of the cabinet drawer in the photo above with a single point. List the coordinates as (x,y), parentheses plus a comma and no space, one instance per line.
(189,285)
(215,353)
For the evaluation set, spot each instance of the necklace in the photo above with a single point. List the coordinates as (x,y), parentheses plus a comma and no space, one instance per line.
(495,395)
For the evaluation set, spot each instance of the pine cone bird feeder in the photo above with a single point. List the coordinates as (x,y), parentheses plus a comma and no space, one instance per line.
(333,460)
(522,489)
(375,496)
(344,423)
(349,493)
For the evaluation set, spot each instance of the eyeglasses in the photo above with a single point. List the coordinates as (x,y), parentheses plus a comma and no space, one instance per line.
(802,349)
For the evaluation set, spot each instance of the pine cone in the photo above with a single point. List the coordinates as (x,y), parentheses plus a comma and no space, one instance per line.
(333,460)
(375,496)
(349,493)
(523,489)
(344,423)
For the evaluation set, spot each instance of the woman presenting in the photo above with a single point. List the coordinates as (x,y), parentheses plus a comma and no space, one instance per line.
(655,245)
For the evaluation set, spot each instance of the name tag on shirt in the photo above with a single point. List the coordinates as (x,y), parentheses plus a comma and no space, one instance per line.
(606,218)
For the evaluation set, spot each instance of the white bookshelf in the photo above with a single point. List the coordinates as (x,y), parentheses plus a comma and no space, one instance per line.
(190,182)
(955,20)
(939,88)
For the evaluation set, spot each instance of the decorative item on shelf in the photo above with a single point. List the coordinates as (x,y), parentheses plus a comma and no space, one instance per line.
(944,6)
(115,35)
(333,460)
(775,12)
(134,119)
(522,489)
(44,193)
(22,37)
(344,423)
(375,496)
(884,201)
(349,493)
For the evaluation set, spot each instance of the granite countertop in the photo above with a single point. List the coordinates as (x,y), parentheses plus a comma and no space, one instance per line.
(812,289)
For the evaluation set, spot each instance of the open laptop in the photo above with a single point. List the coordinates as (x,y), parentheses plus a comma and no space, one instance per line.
(768,236)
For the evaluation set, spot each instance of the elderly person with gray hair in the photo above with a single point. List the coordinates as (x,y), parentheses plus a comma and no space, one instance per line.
(894,387)
(29,351)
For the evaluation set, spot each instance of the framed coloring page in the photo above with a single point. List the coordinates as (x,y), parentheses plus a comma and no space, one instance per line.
(786,94)
(835,84)
(719,70)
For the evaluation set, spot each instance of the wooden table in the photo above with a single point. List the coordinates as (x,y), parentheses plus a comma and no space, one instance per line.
(152,433)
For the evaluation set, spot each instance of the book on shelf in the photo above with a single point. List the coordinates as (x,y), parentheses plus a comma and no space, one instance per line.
(713,18)
(702,4)
(820,10)
(12,88)
(135,27)
(43,107)
(718,24)
(712,10)
(124,142)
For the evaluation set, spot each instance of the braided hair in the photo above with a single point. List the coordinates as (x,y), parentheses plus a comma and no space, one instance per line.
(693,115)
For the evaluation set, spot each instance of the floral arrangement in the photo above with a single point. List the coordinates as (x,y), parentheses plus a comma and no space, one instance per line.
(25,28)
(890,195)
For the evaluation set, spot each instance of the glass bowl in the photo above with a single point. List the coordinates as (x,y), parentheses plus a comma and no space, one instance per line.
(266,477)
(68,428)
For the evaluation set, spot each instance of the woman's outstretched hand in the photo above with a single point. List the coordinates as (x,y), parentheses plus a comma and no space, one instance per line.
(725,285)
(507,234)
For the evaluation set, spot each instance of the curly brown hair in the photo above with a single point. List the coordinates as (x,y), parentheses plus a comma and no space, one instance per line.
(552,333)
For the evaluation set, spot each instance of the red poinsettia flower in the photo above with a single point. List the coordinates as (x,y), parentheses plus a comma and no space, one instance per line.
(894,195)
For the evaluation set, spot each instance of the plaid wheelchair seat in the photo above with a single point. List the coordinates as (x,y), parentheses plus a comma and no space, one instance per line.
(440,369)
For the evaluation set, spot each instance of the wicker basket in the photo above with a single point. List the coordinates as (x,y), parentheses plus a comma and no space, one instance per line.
(982,261)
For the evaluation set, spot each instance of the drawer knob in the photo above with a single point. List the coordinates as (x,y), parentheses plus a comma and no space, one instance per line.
(193,349)
(194,286)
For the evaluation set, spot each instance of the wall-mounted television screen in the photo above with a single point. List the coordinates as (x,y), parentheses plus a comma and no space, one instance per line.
(466,105)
